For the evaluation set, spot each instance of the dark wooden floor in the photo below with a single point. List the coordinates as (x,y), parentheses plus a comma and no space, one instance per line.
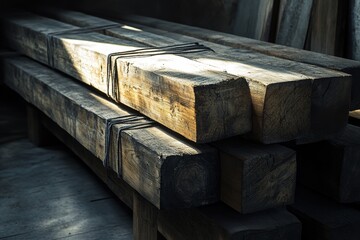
(47,193)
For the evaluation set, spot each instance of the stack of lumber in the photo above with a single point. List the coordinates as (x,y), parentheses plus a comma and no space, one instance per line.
(170,128)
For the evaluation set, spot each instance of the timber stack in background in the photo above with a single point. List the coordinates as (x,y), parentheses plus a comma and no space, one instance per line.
(203,134)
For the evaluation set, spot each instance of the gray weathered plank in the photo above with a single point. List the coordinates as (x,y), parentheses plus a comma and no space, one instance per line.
(354,30)
(340,64)
(293,22)
(269,81)
(157,164)
(253,19)
(195,100)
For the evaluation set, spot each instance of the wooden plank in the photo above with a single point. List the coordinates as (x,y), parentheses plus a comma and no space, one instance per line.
(354,30)
(333,167)
(354,117)
(166,170)
(340,64)
(324,91)
(37,134)
(327,28)
(253,19)
(294,17)
(195,100)
(324,219)
(144,219)
(255,177)
(220,222)
(269,81)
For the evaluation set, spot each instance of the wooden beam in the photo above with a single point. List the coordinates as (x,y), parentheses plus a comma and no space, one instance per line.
(327,100)
(327,27)
(294,54)
(145,217)
(221,222)
(323,218)
(333,167)
(294,17)
(354,117)
(117,185)
(269,81)
(37,133)
(253,19)
(354,30)
(255,177)
(198,101)
(166,170)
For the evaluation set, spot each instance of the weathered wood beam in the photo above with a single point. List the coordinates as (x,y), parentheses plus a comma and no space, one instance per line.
(255,177)
(193,99)
(218,221)
(164,169)
(293,22)
(272,81)
(353,36)
(340,64)
(333,167)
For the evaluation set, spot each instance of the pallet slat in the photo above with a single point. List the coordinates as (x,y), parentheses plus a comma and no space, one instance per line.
(272,81)
(154,162)
(195,100)
(331,62)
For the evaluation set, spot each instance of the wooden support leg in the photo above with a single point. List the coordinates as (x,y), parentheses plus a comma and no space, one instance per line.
(37,133)
(144,219)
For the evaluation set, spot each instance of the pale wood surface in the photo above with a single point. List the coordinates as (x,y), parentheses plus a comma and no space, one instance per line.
(157,164)
(270,81)
(255,177)
(333,167)
(198,101)
(293,22)
(323,218)
(340,64)
(218,221)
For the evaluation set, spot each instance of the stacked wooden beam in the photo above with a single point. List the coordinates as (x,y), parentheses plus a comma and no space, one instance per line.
(268,79)
(200,97)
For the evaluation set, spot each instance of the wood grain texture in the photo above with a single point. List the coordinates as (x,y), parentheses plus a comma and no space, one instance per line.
(253,19)
(255,177)
(198,101)
(166,170)
(294,17)
(340,64)
(324,219)
(333,167)
(353,46)
(144,219)
(327,28)
(280,100)
(221,222)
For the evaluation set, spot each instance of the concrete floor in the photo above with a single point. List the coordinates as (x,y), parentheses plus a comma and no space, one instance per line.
(47,193)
